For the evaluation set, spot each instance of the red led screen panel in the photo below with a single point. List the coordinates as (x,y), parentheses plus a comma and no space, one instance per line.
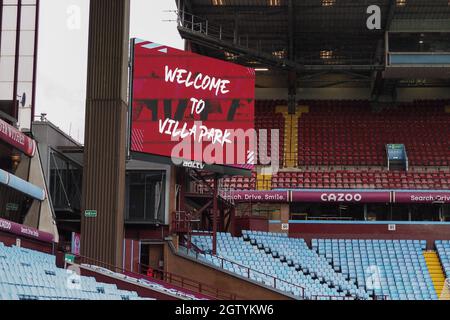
(190,107)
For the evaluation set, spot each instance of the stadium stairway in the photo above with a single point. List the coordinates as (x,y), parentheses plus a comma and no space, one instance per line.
(263,182)
(291,134)
(435,269)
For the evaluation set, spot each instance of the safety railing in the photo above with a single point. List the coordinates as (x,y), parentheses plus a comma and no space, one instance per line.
(177,281)
(183,222)
(252,274)
(188,284)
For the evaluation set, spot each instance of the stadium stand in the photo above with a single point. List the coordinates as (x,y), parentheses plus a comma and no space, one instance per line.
(342,145)
(333,268)
(248,257)
(296,251)
(443,250)
(352,133)
(31,275)
(367,178)
(393,268)
(240,182)
(267,118)
(359,178)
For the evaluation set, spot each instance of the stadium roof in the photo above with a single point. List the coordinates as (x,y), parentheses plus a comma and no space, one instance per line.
(325,42)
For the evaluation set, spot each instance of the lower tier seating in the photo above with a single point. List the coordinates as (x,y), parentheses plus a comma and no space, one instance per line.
(297,252)
(392,268)
(443,250)
(332,269)
(252,259)
(30,275)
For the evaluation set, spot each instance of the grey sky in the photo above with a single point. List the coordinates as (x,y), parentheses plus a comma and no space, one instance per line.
(62,60)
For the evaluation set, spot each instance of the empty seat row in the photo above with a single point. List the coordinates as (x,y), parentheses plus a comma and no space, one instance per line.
(31,275)
(395,269)
(352,133)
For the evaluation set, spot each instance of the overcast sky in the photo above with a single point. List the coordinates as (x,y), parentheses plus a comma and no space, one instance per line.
(62,59)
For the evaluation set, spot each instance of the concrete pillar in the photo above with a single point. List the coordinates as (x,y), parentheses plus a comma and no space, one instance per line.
(105,133)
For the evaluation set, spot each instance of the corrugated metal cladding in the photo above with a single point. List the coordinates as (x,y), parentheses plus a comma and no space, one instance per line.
(104,170)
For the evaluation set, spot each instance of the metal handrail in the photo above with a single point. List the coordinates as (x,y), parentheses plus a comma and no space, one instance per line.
(250,271)
(211,292)
(188,284)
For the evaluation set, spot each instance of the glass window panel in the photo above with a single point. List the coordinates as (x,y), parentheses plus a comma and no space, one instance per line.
(9,18)
(7,67)
(25,69)
(28,18)
(27,43)
(8,43)
(29,2)
(6,90)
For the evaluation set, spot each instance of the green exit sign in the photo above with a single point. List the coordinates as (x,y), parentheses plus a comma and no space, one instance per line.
(12,207)
(70,258)
(90,213)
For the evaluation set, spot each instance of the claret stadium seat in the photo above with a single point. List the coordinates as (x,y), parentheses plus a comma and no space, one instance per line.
(367,178)
(351,133)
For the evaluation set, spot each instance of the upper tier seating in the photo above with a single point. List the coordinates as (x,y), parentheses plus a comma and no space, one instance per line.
(266,118)
(393,268)
(363,179)
(31,275)
(443,250)
(351,133)
(266,264)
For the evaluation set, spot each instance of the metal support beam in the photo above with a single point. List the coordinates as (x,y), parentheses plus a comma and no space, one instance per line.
(291,28)
(377,83)
(264,58)
(215,214)
(236,29)
(16,60)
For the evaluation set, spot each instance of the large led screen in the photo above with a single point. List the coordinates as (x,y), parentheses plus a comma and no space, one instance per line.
(191,108)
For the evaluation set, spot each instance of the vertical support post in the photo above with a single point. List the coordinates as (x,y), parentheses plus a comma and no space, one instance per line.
(236,28)
(232,221)
(106,126)
(178,12)
(35,53)
(16,60)
(215,214)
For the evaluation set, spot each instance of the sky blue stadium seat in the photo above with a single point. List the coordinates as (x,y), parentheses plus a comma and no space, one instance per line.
(31,275)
